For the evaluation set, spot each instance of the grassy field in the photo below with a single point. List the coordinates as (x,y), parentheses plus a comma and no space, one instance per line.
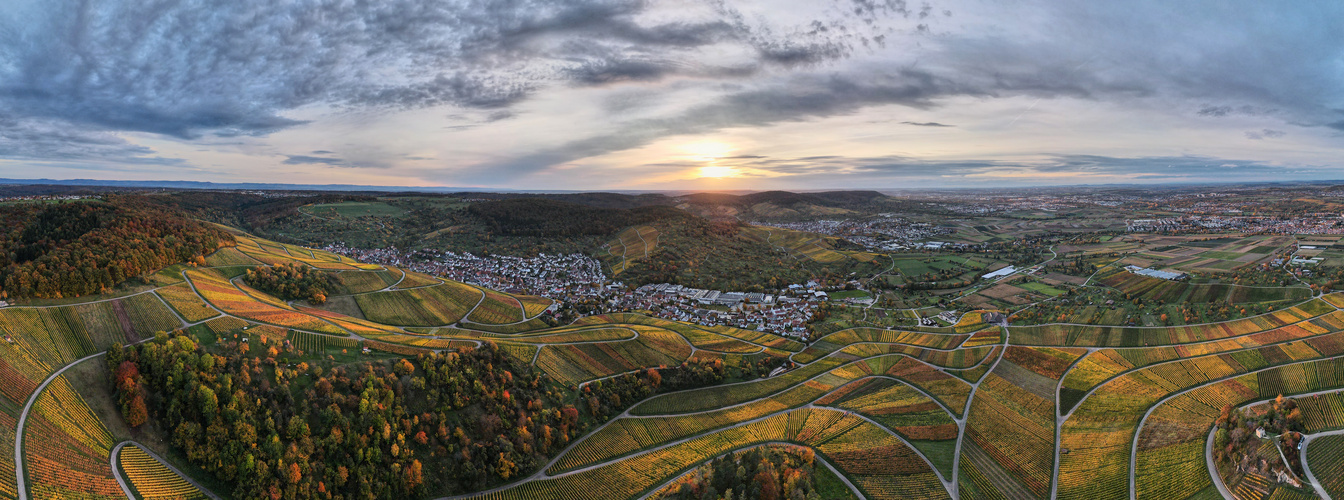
(354,209)
(1041,288)
(849,294)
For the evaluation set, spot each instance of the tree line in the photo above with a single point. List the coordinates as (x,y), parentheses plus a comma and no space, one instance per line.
(292,281)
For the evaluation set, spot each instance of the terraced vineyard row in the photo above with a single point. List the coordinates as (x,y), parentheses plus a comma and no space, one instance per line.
(880,464)
(1326,458)
(151,480)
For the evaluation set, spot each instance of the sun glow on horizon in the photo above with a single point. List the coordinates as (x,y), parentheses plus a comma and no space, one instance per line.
(709,152)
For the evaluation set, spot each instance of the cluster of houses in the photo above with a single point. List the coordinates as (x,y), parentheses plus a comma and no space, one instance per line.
(785,314)
(50,197)
(547,275)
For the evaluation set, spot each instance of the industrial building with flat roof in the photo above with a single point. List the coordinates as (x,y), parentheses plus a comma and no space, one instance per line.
(1000,273)
(1153,273)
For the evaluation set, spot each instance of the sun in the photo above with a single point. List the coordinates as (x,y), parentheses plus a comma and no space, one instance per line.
(717,172)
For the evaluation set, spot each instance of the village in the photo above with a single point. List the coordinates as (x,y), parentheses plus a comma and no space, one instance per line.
(579,279)
(785,314)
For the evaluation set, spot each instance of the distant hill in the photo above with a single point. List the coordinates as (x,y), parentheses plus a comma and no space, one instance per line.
(782,205)
(850,197)
(599,199)
(781,198)
(552,218)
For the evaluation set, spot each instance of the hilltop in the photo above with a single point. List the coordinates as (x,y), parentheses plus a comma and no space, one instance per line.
(82,247)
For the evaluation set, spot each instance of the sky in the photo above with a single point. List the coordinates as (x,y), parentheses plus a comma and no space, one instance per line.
(672,95)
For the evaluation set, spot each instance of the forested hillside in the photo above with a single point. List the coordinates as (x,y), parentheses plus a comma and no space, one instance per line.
(71,249)
(549,218)
(717,255)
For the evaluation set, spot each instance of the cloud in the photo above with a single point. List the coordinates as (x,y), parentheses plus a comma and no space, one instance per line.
(927,124)
(329,161)
(47,140)
(308,160)
(1265,134)
(1085,60)
(151,68)
(606,71)
(792,99)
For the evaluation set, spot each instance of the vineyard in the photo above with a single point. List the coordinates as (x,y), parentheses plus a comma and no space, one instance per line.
(632,244)
(1117,336)
(429,306)
(230,256)
(966,411)
(187,304)
(253,305)
(366,281)
(574,363)
(497,308)
(151,480)
(416,280)
(67,449)
(907,411)
(1326,458)
(1166,291)
(914,385)
(318,344)
(534,305)
(718,338)
(1012,419)
(273,253)
(879,463)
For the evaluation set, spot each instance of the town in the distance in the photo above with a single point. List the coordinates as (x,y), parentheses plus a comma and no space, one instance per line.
(1070,342)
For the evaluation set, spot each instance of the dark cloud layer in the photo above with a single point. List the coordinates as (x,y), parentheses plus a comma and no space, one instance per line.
(188,68)
(50,141)
(329,159)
